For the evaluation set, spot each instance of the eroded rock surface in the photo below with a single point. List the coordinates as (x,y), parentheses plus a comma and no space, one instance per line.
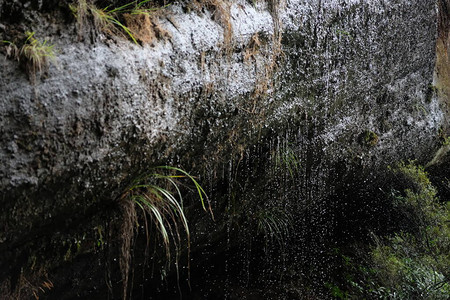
(350,82)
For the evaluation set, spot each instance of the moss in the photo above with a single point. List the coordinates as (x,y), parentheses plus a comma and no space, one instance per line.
(431,91)
(443,137)
(369,138)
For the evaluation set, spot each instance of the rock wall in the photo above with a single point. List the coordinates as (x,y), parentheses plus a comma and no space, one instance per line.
(349,81)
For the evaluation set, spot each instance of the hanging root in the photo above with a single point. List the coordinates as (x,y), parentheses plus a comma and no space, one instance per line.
(127,233)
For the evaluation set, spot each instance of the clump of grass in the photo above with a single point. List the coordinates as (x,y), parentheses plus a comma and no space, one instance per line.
(37,54)
(80,11)
(142,7)
(109,19)
(12,51)
(158,197)
(34,55)
(274,224)
(286,159)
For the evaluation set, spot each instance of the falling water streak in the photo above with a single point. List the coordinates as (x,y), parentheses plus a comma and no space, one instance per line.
(229,225)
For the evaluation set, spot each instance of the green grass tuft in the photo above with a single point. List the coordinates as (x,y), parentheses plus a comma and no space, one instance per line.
(287,159)
(274,224)
(159,198)
(108,19)
(36,53)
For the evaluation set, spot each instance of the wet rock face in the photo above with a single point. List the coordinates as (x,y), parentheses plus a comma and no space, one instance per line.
(348,79)
(362,67)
